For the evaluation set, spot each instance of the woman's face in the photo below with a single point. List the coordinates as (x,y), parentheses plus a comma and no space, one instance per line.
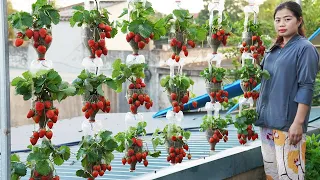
(285,23)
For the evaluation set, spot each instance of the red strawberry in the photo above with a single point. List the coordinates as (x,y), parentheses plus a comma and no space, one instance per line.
(36,119)
(252,48)
(185,99)
(39,106)
(42,132)
(175,103)
(225,99)
(103,167)
(186,53)
(36,44)
(20,35)
(108,34)
(102,43)
(141,44)
(244,44)
(191,43)
(49,134)
(139,143)
(189,156)
(211,140)
(151,36)
(35,134)
(145,163)
(50,124)
(254,38)
(95,173)
(108,28)
(105,51)
(147,40)
(50,114)
(173,56)
(173,138)
(91,42)
(48,39)
(99,52)
(135,96)
(255,56)
(47,104)
(36,36)
(124,161)
(221,31)
(133,108)
(184,48)
(29,33)
(43,32)
(173,96)
(177,58)
(137,38)
(186,147)
(56,178)
(101,173)
(214,36)
(102,35)
(56,112)
(195,104)
(42,49)
(176,109)
(30,113)
(54,118)
(18,42)
(100,105)
(102,26)
(147,105)
(131,35)
(33,140)
(138,86)
(131,86)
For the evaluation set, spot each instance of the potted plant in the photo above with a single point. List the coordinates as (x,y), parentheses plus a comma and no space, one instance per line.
(141,28)
(311,149)
(250,76)
(243,123)
(213,79)
(135,147)
(96,27)
(218,32)
(36,26)
(96,153)
(215,128)
(175,140)
(183,32)
(89,85)
(177,89)
(42,88)
(136,92)
(18,168)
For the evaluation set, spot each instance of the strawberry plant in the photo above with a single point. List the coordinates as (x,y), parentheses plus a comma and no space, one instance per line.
(96,154)
(135,151)
(312,156)
(215,128)
(89,85)
(177,88)
(36,26)
(250,75)
(136,93)
(253,43)
(175,139)
(141,28)
(218,32)
(42,159)
(243,123)
(44,87)
(18,168)
(183,32)
(97,27)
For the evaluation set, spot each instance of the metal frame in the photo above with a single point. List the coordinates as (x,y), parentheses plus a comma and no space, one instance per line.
(4,94)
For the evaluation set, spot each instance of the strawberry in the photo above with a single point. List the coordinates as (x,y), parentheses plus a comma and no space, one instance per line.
(36,36)
(176,109)
(184,48)
(131,86)
(254,38)
(177,58)
(255,56)
(56,178)
(102,43)
(91,42)
(33,140)
(147,40)
(185,99)
(47,104)
(145,163)
(141,44)
(211,140)
(103,167)
(175,103)
(54,118)
(139,156)
(94,106)
(50,114)
(130,101)
(252,48)
(189,156)
(173,96)
(42,132)
(130,152)
(173,56)
(36,44)
(212,94)
(137,38)
(43,32)
(225,99)
(131,35)
(50,124)
(179,44)
(49,134)
(35,134)
(124,161)
(48,39)
(95,173)
(99,52)
(39,106)
(144,155)
(100,105)
(147,98)
(18,42)
(102,35)
(101,173)
(214,36)
(244,44)
(137,103)
(186,147)
(143,85)
(186,53)
(20,35)
(191,43)
(139,143)
(42,49)
(138,86)
(133,108)
(105,51)
(133,159)
(102,26)
(246,49)
(108,34)
(128,38)
(29,33)
(151,36)
(36,119)
(108,28)
(30,113)
(195,104)
(129,160)
(134,96)
(173,138)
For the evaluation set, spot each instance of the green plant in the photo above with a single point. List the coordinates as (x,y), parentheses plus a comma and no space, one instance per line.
(42,159)
(175,139)
(96,154)
(215,76)
(98,27)
(243,123)
(18,168)
(213,123)
(312,157)
(132,142)
(255,28)
(220,31)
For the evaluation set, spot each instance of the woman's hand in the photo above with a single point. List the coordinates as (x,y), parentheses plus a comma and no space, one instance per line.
(295,133)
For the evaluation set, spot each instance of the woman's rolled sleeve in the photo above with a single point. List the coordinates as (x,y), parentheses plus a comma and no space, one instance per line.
(307,68)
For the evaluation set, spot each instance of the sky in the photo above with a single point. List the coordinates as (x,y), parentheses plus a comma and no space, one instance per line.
(163,6)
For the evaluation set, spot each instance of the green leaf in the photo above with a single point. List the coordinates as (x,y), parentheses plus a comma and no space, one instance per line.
(27,75)
(185,82)
(155,154)
(17,80)
(111,145)
(58,160)
(54,15)
(125,11)
(43,167)
(79,8)
(111,83)
(164,81)
(77,16)
(99,90)
(15,157)
(144,28)
(53,88)
(116,64)
(105,134)
(44,18)
(19,169)
(65,152)
(80,173)
(88,85)
(60,96)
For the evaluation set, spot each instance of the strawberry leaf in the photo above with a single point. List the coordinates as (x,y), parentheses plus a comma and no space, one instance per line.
(43,167)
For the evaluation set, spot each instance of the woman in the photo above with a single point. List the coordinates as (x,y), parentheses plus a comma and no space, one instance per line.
(285,99)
